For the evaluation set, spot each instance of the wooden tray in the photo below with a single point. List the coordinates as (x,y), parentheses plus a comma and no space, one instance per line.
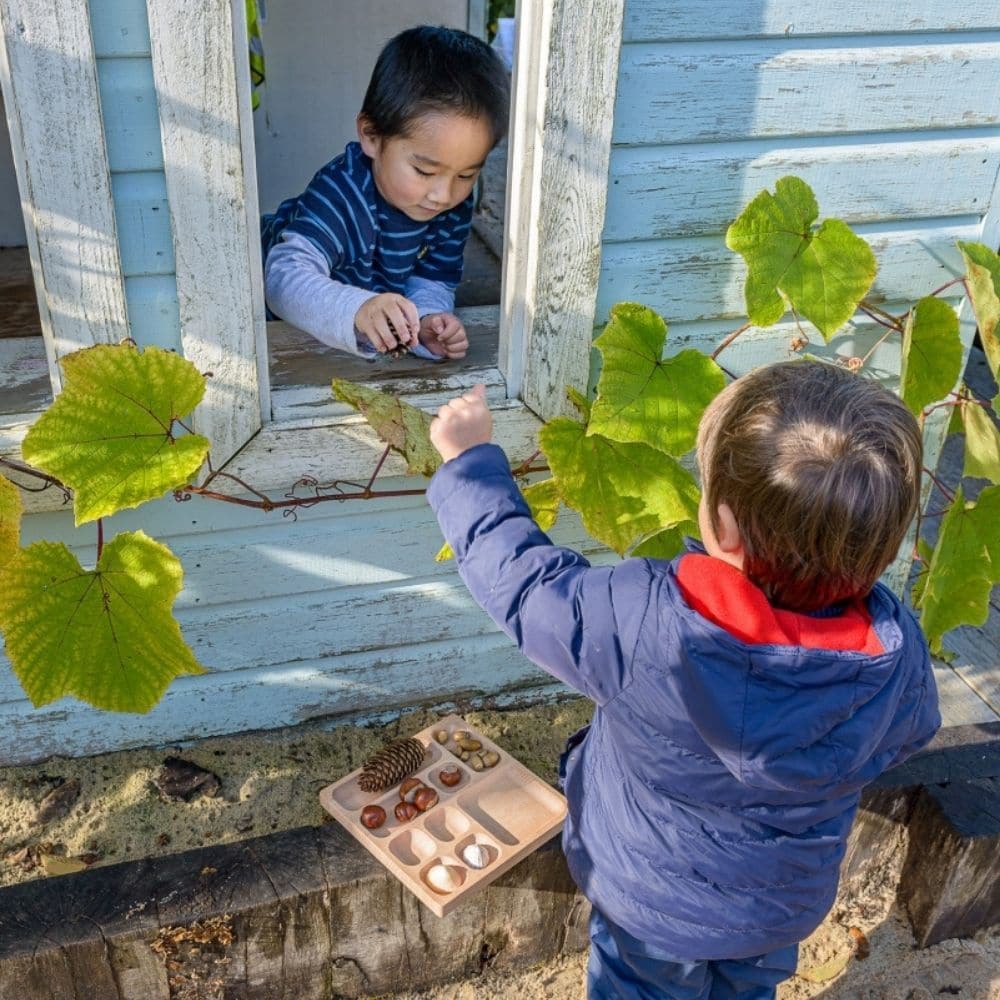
(506,809)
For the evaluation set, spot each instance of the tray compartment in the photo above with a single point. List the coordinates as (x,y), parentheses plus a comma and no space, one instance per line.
(492,851)
(458,872)
(517,808)
(447,823)
(412,846)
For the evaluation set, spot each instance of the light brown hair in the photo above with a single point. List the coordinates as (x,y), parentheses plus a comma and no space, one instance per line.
(821,469)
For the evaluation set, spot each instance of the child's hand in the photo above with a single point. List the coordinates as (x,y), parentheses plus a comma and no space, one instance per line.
(388,321)
(462,423)
(443,334)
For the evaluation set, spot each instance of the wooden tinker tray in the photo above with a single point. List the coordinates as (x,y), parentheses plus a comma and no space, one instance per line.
(506,809)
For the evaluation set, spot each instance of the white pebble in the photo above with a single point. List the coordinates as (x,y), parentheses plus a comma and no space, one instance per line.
(476,855)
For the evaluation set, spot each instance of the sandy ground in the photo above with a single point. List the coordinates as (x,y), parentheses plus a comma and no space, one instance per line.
(269,782)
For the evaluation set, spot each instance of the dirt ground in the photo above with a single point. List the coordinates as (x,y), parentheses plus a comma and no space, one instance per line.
(270,781)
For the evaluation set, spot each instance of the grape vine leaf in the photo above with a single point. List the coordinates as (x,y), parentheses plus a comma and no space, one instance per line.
(956,423)
(109,435)
(11,509)
(401,426)
(665,544)
(983,284)
(963,568)
(982,445)
(932,354)
(643,397)
(824,273)
(543,499)
(105,635)
(623,491)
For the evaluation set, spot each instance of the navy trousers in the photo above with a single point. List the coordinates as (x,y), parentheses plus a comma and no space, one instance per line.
(625,968)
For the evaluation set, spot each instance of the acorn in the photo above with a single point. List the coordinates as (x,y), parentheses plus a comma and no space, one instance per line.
(425,799)
(372,817)
(450,776)
(441,736)
(490,758)
(405,811)
(395,761)
(469,744)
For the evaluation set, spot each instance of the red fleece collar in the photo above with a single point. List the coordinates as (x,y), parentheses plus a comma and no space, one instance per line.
(723,595)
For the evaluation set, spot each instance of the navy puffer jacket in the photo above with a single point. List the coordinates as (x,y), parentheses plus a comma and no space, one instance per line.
(710,802)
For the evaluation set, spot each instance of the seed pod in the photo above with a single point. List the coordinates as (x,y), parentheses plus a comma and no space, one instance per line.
(490,758)
(372,817)
(392,763)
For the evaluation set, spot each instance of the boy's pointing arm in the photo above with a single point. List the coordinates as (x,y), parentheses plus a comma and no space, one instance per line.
(579,623)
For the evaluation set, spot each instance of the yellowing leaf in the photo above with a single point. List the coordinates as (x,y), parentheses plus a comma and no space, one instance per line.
(824,273)
(11,509)
(401,426)
(109,435)
(932,354)
(624,492)
(827,970)
(665,544)
(643,397)
(55,864)
(106,635)
(983,281)
(982,444)
(963,567)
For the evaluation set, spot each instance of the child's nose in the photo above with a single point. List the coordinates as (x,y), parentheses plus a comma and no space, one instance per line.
(441,192)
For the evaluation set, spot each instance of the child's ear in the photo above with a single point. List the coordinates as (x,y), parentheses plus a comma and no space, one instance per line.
(367,136)
(727,532)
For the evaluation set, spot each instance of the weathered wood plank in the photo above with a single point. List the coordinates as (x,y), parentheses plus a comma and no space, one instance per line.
(689,92)
(559,151)
(662,192)
(70,224)
(25,385)
(154,313)
(143,214)
(120,28)
(698,278)
(213,213)
(364,684)
(656,20)
(128,103)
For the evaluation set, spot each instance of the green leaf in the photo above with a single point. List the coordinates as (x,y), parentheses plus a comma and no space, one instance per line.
(983,282)
(932,354)
(642,397)
(109,435)
(401,426)
(956,423)
(543,499)
(623,492)
(824,273)
(580,401)
(106,635)
(982,444)
(925,553)
(11,510)
(963,567)
(665,544)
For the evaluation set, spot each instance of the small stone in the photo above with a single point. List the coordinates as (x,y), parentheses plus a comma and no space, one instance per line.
(476,855)
(58,802)
(181,780)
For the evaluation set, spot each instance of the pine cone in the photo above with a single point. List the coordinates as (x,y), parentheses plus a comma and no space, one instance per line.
(395,761)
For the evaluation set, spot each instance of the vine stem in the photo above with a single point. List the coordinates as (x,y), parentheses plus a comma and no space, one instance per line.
(941,486)
(729,339)
(100,537)
(948,284)
(26,470)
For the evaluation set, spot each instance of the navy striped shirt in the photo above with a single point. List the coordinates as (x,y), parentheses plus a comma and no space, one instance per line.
(367,242)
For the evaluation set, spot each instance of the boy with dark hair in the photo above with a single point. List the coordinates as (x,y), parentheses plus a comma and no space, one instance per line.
(745,694)
(368,257)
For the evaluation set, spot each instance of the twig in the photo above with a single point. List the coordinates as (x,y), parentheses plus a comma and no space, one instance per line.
(729,339)
(873,310)
(47,481)
(937,482)
(100,537)
(948,284)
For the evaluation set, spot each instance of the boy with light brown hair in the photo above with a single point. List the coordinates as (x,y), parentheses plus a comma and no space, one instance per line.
(745,693)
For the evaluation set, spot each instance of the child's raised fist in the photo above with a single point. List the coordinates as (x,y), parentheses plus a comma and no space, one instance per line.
(462,423)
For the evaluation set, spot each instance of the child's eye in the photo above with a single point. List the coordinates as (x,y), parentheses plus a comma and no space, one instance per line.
(469,177)
(423,173)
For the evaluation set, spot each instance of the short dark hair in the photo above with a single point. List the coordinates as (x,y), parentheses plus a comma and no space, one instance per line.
(821,469)
(431,69)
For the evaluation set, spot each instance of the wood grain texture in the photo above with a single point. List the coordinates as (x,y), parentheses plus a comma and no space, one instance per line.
(649,20)
(689,92)
(25,385)
(62,167)
(664,192)
(200,122)
(556,283)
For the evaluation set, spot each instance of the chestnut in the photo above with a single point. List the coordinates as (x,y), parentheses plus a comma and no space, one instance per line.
(425,798)
(449,776)
(409,788)
(372,817)
(405,811)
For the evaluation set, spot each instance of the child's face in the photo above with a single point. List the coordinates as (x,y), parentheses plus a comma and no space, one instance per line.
(433,168)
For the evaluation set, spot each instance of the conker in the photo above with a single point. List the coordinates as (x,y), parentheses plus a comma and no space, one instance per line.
(405,811)
(425,798)
(372,817)
(409,788)
(450,776)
